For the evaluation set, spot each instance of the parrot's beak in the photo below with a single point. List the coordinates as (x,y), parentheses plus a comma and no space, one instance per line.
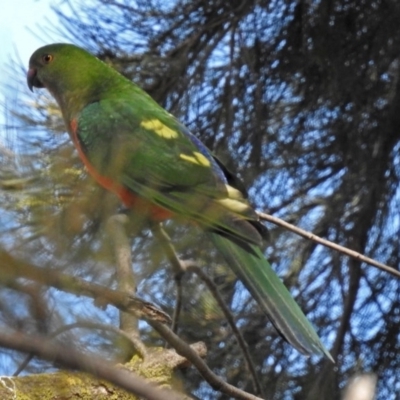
(33,80)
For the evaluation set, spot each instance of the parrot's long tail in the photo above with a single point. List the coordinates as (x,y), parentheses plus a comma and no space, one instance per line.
(271,294)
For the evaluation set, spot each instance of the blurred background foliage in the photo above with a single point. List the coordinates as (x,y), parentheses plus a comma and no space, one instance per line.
(301,100)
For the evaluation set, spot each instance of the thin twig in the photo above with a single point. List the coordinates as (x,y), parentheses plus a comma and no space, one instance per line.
(39,308)
(138,345)
(193,267)
(166,244)
(344,250)
(168,247)
(186,351)
(178,305)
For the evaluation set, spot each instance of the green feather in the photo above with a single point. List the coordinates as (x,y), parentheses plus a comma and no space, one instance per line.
(271,294)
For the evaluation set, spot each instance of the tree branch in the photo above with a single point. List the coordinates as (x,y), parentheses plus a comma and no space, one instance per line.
(12,268)
(344,250)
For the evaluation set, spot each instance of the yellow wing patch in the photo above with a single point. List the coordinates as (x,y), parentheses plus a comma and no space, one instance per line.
(234,193)
(156,126)
(238,207)
(196,158)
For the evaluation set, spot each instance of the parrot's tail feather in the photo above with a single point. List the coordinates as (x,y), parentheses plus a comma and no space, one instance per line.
(246,246)
(271,294)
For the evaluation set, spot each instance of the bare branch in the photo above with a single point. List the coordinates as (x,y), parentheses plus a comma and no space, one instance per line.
(329,244)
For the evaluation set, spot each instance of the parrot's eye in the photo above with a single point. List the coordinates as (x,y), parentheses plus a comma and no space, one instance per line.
(47,58)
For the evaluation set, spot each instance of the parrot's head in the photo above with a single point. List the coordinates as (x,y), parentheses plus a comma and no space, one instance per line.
(72,75)
(53,64)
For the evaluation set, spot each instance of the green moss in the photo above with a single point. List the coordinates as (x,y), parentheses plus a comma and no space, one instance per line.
(69,385)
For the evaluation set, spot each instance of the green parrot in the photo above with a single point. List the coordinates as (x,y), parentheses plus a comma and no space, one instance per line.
(136,149)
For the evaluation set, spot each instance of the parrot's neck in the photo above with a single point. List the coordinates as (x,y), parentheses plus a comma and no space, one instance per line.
(70,104)
(91,83)
(74,99)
